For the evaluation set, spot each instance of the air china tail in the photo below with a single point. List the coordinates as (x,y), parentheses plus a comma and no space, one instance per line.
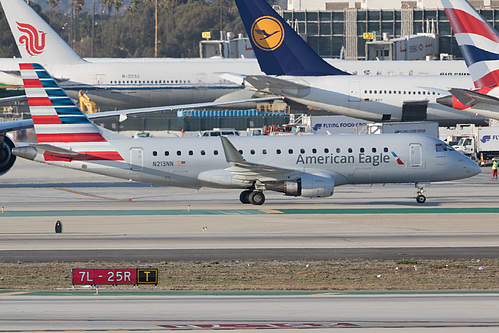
(279,49)
(36,40)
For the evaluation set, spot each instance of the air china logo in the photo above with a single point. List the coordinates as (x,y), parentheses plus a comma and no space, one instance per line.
(267,33)
(32,38)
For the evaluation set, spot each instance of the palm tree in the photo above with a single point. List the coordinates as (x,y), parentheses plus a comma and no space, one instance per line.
(53,4)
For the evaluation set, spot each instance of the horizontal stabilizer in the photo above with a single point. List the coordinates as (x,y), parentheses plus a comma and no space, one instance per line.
(469,97)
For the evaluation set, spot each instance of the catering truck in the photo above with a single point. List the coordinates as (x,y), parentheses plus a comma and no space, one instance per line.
(481,145)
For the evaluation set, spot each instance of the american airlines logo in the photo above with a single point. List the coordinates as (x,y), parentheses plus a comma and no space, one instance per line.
(33,39)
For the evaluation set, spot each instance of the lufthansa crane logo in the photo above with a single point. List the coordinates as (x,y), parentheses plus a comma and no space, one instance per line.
(33,39)
(267,33)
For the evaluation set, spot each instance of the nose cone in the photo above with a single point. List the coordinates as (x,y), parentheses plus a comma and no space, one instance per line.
(469,168)
(446,100)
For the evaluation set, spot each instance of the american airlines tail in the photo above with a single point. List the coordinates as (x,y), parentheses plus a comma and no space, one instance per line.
(64,133)
(478,42)
(278,48)
(36,40)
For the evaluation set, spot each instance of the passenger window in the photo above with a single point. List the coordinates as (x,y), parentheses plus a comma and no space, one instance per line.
(326,150)
(302,151)
(252,152)
(362,150)
(314,151)
(215,152)
(350,150)
(290,151)
(191,152)
(167,153)
(203,152)
(154,153)
(338,150)
(264,151)
(241,151)
(385,150)
(179,153)
(278,151)
(374,150)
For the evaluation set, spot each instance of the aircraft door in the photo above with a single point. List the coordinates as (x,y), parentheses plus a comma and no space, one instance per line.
(415,155)
(136,159)
(354,91)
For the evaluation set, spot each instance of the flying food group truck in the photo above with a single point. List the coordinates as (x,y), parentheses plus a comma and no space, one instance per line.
(481,145)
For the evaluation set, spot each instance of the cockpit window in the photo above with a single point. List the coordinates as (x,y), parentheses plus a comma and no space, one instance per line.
(440,147)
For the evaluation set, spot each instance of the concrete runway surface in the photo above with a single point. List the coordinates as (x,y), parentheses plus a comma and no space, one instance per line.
(118,217)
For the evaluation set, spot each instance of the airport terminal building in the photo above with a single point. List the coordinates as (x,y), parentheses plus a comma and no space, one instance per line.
(341,28)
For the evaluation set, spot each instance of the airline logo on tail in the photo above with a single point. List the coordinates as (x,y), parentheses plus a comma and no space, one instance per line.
(267,33)
(477,40)
(33,39)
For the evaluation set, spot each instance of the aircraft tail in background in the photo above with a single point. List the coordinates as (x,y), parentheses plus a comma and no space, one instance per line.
(477,40)
(278,48)
(35,39)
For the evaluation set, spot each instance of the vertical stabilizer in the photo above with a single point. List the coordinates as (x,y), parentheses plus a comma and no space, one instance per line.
(278,48)
(35,39)
(59,122)
(477,40)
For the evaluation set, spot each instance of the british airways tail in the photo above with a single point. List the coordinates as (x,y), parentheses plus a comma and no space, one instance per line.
(477,40)
(278,48)
(63,131)
(35,39)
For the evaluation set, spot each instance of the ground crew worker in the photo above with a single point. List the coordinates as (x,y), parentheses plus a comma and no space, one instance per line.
(494,169)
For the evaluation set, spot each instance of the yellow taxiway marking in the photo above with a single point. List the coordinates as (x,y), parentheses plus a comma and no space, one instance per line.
(91,195)
(14,293)
(271,211)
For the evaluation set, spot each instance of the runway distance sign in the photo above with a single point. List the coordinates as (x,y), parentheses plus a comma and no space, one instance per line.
(115,276)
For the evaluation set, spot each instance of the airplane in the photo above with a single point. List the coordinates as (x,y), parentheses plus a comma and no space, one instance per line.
(307,166)
(295,71)
(145,82)
(478,42)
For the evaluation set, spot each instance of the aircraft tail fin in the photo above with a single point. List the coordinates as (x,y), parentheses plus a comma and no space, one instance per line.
(278,48)
(35,39)
(59,122)
(477,40)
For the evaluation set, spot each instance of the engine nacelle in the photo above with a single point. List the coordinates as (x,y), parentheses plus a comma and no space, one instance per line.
(7,159)
(310,185)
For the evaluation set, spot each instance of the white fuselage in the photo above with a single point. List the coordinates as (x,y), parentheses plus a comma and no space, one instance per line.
(379,98)
(349,159)
(131,83)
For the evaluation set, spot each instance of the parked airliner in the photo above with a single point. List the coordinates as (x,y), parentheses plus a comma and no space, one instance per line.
(131,83)
(302,76)
(479,44)
(308,166)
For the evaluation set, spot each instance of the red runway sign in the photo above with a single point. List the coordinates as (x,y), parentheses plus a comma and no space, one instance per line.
(115,276)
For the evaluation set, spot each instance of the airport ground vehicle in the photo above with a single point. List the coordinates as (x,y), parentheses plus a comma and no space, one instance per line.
(481,145)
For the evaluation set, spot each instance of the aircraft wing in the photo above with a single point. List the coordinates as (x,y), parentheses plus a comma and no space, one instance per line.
(125,113)
(469,97)
(243,170)
(270,84)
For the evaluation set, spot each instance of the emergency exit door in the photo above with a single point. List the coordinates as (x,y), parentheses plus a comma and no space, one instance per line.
(136,159)
(415,155)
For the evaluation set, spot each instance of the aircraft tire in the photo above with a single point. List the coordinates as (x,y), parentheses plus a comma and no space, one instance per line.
(257,198)
(244,196)
(421,199)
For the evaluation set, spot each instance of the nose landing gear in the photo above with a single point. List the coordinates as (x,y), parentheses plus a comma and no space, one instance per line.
(420,198)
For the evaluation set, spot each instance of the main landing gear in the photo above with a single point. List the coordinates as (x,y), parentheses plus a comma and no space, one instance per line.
(252,197)
(420,198)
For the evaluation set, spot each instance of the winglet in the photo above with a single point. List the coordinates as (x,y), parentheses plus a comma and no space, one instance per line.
(231,153)
(278,48)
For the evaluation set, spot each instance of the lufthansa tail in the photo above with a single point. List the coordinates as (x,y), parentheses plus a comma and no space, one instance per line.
(35,39)
(278,48)
(478,42)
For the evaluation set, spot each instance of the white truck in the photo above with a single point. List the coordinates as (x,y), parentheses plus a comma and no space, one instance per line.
(482,144)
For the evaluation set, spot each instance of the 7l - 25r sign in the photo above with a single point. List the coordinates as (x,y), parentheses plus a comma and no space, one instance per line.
(115,276)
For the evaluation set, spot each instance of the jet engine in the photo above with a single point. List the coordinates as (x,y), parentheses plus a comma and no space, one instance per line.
(309,185)
(7,159)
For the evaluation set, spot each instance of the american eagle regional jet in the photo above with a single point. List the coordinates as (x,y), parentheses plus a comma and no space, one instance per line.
(308,166)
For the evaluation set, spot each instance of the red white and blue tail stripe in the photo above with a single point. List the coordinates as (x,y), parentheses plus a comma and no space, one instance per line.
(477,40)
(59,122)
